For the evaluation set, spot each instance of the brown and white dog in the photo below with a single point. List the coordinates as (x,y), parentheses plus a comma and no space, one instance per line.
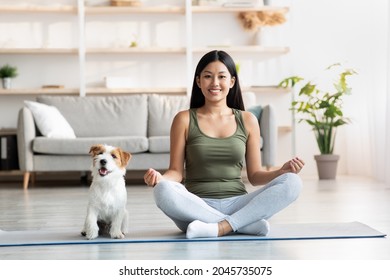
(107,193)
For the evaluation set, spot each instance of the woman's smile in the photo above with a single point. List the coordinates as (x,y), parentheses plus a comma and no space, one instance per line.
(215,91)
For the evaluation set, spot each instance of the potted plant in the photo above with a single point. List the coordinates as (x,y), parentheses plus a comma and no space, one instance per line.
(7,72)
(322,110)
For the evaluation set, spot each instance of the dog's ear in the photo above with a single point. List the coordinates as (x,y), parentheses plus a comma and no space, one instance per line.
(125,157)
(95,149)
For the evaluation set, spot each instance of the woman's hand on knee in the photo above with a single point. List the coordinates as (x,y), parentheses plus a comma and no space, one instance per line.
(152,177)
(294,165)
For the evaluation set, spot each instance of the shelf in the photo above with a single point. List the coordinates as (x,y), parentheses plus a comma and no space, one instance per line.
(284,129)
(103,90)
(91,91)
(210,9)
(266,89)
(118,91)
(147,50)
(39,91)
(128,10)
(245,49)
(8,131)
(38,9)
(10,172)
(136,50)
(39,51)
(167,9)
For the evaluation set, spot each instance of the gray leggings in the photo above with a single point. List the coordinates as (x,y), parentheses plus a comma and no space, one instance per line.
(241,211)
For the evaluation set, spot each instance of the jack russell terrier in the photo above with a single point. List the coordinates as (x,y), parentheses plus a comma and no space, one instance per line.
(106,211)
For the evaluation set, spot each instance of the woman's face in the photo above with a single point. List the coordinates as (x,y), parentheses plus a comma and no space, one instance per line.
(215,81)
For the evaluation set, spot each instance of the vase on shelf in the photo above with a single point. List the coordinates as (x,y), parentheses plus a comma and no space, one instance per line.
(263,36)
(257,37)
(6,82)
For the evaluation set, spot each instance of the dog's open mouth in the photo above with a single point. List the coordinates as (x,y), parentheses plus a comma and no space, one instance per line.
(103,171)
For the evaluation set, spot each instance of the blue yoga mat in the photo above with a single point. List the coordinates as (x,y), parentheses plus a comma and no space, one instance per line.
(278,232)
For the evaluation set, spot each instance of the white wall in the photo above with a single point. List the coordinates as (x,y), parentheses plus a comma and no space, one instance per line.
(353,32)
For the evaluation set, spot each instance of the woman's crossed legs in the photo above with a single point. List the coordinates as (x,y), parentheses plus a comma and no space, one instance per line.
(245,214)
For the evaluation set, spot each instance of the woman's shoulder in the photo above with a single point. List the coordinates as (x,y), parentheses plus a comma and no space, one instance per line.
(183,113)
(249,119)
(182,116)
(247,116)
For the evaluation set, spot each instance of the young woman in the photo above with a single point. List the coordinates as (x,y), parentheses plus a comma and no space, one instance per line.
(209,144)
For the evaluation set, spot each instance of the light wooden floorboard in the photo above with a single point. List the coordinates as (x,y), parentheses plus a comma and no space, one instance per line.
(63,206)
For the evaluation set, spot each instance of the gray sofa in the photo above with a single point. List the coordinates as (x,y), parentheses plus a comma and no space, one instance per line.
(139,124)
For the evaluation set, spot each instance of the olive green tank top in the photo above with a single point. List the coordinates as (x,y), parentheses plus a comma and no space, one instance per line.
(213,165)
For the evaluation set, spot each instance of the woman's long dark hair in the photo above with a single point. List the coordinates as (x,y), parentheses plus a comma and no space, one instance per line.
(234,97)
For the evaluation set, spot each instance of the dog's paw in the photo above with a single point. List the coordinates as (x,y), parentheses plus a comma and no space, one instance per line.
(91,234)
(117,235)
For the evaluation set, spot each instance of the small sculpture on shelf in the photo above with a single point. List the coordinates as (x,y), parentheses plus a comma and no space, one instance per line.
(7,72)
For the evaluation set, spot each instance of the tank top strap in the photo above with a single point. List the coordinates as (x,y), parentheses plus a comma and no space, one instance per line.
(193,126)
(240,122)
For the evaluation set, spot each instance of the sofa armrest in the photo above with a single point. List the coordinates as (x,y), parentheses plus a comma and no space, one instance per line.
(269,133)
(26,132)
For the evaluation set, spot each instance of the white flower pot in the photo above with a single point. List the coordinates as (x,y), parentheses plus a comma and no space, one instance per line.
(6,83)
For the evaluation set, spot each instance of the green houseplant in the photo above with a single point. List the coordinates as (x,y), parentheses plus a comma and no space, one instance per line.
(323,111)
(7,72)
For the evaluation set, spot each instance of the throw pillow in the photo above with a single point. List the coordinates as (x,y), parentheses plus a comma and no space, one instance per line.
(256,110)
(50,122)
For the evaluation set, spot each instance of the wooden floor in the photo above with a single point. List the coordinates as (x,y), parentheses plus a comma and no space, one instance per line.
(56,205)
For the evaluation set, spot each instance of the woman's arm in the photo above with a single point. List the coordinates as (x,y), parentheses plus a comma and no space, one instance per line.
(178,136)
(256,174)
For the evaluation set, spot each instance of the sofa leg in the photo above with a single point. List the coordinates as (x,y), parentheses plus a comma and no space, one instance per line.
(26,178)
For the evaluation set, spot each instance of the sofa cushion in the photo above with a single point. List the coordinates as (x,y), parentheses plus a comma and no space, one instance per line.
(162,109)
(50,122)
(81,145)
(159,144)
(96,116)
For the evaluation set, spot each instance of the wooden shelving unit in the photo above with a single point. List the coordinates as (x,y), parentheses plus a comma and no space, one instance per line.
(82,12)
